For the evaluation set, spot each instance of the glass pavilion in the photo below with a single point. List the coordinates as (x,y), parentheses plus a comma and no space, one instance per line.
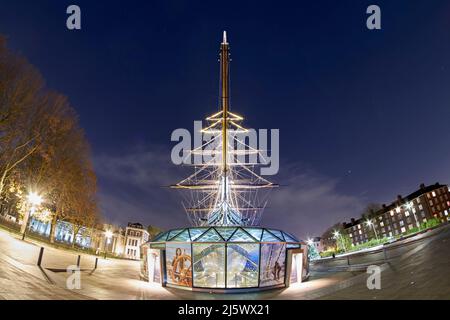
(225,250)
(223,258)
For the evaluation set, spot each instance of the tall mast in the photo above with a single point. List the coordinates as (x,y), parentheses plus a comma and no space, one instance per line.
(229,192)
(224,72)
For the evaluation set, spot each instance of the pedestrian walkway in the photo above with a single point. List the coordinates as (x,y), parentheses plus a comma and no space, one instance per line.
(15,284)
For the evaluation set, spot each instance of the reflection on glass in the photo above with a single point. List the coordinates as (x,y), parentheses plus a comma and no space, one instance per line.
(179,264)
(273,257)
(209,265)
(242,265)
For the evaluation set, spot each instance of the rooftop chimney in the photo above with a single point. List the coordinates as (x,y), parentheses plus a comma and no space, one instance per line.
(422,186)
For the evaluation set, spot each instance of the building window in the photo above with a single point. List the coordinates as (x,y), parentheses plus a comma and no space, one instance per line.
(403,229)
(406,213)
(397,209)
(392,213)
(401,223)
(433,193)
(420,207)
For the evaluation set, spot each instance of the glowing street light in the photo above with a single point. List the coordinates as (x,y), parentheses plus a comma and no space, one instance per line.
(33,200)
(337,235)
(370,224)
(310,242)
(108,236)
(409,206)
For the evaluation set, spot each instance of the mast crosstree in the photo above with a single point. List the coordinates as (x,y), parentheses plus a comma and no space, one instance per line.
(224,190)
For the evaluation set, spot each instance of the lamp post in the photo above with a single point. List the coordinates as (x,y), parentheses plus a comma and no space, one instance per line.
(370,224)
(108,235)
(338,236)
(33,200)
(409,206)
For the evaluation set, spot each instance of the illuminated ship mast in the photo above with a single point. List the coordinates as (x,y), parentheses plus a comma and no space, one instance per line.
(225,191)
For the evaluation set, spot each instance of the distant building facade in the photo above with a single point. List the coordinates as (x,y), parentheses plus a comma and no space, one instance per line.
(135,235)
(317,243)
(402,215)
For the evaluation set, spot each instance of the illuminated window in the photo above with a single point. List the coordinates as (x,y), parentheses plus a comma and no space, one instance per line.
(360,232)
(420,207)
(392,213)
(403,229)
(407,213)
(433,193)
(397,209)
(401,223)
(446,212)
(382,224)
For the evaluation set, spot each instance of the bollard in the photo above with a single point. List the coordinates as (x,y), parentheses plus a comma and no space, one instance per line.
(385,254)
(41,253)
(78,261)
(96,261)
(348,260)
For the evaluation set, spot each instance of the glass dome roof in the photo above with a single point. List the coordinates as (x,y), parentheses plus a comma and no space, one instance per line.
(225,234)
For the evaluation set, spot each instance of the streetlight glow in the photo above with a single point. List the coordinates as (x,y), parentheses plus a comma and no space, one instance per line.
(34,199)
(108,234)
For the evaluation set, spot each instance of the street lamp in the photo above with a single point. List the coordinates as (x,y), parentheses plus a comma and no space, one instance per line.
(108,236)
(409,206)
(337,236)
(33,200)
(370,224)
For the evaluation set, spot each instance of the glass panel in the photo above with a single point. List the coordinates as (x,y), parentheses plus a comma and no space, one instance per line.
(195,233)
(273,256)
(241,236)
(210,236)
(267,236)
(209,265)
(160,237)
(289,238)
(173,233)
(293,246)
(179,264)
(184,236)
(242,265)
(277,233)
(255,232)
(225,232)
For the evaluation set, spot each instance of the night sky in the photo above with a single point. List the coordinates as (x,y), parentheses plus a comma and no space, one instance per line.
(363,115)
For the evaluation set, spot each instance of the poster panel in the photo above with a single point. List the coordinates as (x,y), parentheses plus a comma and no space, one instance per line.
(154,265)
(273,264)
(179,264)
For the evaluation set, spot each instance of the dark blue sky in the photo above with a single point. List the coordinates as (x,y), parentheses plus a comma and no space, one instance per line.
(363,115)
